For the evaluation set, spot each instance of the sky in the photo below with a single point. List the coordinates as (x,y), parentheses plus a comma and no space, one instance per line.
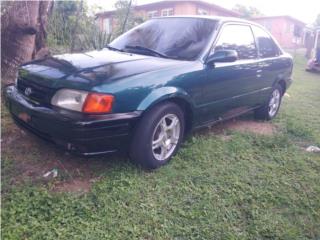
(304,10)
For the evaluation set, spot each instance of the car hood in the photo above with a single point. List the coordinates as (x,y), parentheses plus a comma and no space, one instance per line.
(85,70)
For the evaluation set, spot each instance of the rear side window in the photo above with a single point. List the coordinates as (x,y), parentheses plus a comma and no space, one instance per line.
(267,47)
(238,38)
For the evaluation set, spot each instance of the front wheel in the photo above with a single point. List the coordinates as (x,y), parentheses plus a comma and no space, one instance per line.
(158,136)
(271,108)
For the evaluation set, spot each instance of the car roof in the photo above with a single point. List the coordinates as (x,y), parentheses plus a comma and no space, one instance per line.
(215,18)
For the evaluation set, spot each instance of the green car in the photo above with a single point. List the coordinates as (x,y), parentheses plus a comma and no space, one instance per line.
(151,86)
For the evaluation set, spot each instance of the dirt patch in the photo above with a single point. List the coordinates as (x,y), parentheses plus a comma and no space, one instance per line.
(225,138)
(264,128)
(30,158)
(75,186)
(240,125)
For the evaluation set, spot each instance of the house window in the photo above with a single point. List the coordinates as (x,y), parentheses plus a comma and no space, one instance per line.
(152,14)
(202,11)
(167,12)
(107,25)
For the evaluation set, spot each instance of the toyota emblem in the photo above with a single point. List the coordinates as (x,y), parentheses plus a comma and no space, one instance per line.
(28,91)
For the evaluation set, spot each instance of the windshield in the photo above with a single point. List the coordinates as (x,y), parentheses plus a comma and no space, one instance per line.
(178,38)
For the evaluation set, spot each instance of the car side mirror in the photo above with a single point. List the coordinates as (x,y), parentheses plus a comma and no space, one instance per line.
(222,56)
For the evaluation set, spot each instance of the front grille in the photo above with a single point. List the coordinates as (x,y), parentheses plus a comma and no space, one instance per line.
(37,93)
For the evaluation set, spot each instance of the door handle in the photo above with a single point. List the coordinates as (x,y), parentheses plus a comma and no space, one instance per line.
(258,73)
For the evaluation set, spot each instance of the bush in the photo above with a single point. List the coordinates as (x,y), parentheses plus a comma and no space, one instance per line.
(72,24)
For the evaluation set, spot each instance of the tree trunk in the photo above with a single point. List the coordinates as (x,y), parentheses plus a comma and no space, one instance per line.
(23,34)
(41,50)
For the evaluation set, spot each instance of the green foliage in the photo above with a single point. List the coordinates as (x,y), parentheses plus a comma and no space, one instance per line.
(93,39)
(125,17)
(63,23)
(246,187)
(247,12)
(300,114)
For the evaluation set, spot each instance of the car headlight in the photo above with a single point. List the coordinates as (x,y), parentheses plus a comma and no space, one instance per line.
(82,101)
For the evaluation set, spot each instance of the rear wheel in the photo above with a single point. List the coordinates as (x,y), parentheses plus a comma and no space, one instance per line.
(271,108)
(158,136)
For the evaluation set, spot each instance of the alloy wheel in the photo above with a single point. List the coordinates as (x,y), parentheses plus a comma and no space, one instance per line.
(165,137)
(274,102)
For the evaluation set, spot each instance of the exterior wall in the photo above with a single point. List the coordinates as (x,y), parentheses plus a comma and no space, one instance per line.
(185,9)
(283,31)
(213,11)
(102,23)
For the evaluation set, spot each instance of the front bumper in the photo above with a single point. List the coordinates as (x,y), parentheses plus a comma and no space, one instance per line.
(76,132)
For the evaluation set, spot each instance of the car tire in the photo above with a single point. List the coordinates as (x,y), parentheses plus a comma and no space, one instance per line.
(271,108)
(158,135)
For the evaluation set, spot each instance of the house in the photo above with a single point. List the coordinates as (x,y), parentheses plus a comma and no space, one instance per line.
(106,20)
(288,31)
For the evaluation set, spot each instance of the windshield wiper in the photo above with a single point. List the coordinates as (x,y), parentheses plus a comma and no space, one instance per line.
(147,50)
(113,48)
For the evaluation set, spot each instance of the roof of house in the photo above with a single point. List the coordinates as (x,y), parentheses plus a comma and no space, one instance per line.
(154,4)
(280,16)
(220,19)
(212,17)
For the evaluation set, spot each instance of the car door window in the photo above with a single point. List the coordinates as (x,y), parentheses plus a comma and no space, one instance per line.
(238,38)
(267,47)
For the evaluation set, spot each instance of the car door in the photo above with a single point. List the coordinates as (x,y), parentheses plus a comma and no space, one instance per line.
(272,66)
(230,87)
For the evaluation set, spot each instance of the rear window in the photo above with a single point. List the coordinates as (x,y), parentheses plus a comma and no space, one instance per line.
(267,47)
(238,38)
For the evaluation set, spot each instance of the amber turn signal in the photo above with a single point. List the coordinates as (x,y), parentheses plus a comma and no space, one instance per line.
(98,103)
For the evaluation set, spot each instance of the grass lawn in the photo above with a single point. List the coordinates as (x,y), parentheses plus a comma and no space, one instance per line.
(228,185)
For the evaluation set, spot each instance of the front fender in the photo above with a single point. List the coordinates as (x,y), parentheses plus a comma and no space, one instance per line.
(164,93)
